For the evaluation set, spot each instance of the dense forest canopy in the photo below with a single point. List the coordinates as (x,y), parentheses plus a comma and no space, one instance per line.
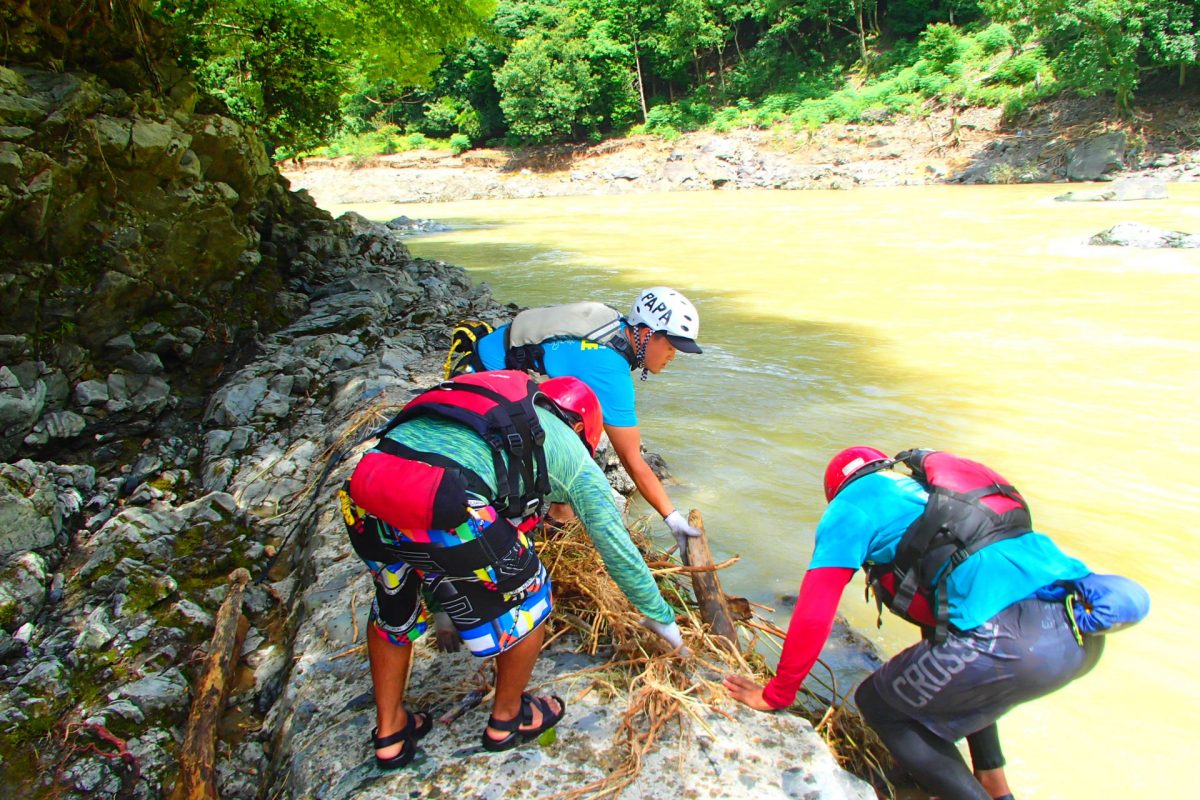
(400,72)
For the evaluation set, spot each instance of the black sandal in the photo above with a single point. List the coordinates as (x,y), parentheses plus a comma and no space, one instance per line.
(410,734)
(517,736)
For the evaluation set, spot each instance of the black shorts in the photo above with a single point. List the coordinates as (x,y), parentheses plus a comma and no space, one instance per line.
(974,677)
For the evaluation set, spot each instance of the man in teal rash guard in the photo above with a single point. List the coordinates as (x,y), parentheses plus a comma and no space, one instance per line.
(498,611)
(660,323)
(1005,645)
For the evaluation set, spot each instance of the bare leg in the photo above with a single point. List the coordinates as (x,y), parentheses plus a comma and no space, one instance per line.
(988,760)
(994,782)
(513,668)
(389,674)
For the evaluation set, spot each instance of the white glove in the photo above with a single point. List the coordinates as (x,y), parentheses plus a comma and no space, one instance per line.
(670,633)
(448,640)
(681,531)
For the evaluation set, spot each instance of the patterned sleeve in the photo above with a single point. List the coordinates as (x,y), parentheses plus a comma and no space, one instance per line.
(576,479)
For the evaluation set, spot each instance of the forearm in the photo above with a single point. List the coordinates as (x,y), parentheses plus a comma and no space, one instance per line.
(648,485)
(590,495)
(816,608)
(627,444)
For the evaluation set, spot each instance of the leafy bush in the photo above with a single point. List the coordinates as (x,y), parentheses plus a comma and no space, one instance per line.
(440,117)
(686,115)
(994,38)
(459,143)
(1021,68)
(940,46)
(469,123)
(416,141)
(933,84)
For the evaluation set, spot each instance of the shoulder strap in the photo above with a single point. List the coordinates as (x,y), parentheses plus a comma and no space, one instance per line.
(953,526)
(510,427)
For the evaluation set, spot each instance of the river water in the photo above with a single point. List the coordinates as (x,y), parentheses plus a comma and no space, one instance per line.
(969,319)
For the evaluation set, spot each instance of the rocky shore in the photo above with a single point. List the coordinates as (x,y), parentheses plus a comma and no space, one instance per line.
(112,582)
(1076,141)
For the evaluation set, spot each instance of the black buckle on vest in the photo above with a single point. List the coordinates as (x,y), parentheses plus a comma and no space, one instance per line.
(516,444)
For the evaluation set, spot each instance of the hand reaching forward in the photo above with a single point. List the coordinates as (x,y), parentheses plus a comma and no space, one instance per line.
(746,691)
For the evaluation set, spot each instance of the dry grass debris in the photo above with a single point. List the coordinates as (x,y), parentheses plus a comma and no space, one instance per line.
(666,692)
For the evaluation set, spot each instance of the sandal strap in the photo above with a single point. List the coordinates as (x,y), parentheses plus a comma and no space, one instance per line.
(523,717)
(505,724)
(543,705)
(402,735)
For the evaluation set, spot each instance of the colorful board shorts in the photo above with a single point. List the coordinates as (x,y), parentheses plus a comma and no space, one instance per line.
(974,677)
(484,574)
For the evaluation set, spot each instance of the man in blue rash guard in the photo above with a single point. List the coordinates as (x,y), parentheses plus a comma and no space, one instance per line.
(660,323)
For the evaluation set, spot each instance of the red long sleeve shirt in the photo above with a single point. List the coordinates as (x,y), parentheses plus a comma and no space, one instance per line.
(816,608)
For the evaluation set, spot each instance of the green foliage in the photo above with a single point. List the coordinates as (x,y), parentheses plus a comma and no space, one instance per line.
(1022,68)
(569,80)
(270,65)
(441,117)
(940,46)
(573,70)
(994,38)
(910,17)
(1099,46)
(460,143)
(686,115)
(283,65)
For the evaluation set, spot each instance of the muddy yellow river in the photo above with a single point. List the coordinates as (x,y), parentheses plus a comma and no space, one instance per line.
(970,319)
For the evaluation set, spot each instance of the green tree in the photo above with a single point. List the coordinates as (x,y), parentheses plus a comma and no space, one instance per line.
(1109,45)
(283,64)
(565,80)
(281,76)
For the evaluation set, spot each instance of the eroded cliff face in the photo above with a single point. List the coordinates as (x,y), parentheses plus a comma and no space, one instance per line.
(145,243)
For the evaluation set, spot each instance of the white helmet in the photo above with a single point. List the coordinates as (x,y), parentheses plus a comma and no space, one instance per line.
(662,309)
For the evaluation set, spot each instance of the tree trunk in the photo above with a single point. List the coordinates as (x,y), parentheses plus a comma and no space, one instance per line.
(862,35)
(637,60)
(714,609)
(198,753)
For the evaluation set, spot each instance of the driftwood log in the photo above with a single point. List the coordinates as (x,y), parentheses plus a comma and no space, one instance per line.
(714,607)
(198,753)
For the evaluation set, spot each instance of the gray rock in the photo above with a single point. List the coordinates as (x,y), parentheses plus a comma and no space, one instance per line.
(29,516)
(1122,190)
(123,344)
(97,631)
(142,363)
(155,694)
(91,393)
(235,404)
(44,679)
(627,172)
(22,589)
(1135,234)
(56,425)
(1090,160)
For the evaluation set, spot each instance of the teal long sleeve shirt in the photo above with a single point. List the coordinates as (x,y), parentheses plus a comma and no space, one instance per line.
(574,478)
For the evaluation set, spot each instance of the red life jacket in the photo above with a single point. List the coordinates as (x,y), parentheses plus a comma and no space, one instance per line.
(410,489)
(970,507)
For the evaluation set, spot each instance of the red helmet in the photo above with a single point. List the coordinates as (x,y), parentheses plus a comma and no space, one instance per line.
(843,466)
(574,397)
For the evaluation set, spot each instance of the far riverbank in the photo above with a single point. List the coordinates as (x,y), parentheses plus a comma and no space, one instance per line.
(1074,140)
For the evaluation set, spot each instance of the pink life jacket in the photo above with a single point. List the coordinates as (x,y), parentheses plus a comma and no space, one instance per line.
(970,506)
(410,489)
